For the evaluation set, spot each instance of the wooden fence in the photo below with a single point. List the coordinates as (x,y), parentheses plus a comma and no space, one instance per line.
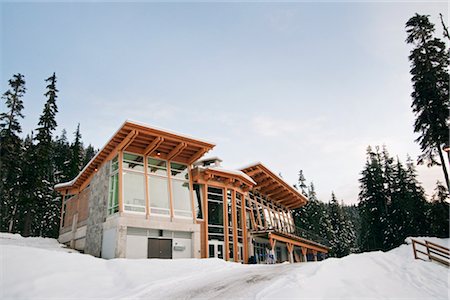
(433,251)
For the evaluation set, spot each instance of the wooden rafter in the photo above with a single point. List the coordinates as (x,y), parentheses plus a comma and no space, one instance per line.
(127,140)
(180,147)
(153,145)
(277,193)
(197,155)
(254,172)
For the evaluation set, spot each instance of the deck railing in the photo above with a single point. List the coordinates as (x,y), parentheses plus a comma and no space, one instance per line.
(434,252)
(295,231)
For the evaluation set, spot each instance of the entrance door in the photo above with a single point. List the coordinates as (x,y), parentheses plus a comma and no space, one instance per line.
(216,248)
(160,248)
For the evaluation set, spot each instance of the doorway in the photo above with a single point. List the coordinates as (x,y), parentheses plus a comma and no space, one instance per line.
(216,249)
(159,248)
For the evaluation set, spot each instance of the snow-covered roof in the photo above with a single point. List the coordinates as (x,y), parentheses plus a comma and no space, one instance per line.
(285,193)
(137,137)
(228,171)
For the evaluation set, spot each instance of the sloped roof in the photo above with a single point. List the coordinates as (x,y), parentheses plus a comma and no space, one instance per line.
(144,139)
(274,187)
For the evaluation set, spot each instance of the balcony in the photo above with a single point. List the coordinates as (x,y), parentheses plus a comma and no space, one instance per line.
(293,233)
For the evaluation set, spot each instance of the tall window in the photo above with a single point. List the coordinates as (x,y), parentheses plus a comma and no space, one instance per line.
(215,214)
(239,227)
(230,225)
(180,190)
(198,201)
(158,186)
(113,197)
(133,183)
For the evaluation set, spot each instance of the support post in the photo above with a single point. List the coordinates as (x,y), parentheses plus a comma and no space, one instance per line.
(304,250)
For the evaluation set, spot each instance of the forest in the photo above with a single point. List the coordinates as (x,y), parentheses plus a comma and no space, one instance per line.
(392,204)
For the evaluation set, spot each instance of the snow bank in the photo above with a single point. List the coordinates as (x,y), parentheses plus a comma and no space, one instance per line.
(39,268)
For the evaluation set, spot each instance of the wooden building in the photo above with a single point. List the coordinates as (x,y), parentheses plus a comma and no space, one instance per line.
(148,194)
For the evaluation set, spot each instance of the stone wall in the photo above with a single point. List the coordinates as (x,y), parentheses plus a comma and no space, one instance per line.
(98,210)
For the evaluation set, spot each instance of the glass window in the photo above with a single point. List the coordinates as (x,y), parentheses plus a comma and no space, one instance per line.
(198,201)
(113,201)
(157,166)
(181,198)
(179,171)
(133,162)
(158,194)
(114,164)
(215,213)
(134,191)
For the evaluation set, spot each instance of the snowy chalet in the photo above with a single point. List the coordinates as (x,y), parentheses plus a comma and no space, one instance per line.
(148,194)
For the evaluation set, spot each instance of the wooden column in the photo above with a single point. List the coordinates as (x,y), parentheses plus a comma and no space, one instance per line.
(290,249)
(120,182)
(205,218)
(191,189)
(147,196)
(314,254)
(244,227)
(169,179)
(304,251)
(225,225)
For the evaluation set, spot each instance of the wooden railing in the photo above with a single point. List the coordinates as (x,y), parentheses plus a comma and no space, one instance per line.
(434,252)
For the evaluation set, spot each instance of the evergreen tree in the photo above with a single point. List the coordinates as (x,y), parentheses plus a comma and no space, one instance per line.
(302,183)
(89,153)
(61,158)
(372,204)
(46,218)
(342,233)
(313,216)
(438,212)
(10,150)
(76,155)
(29,181)
(429,70)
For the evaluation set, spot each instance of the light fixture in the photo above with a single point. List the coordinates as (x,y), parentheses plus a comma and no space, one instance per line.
(158,153)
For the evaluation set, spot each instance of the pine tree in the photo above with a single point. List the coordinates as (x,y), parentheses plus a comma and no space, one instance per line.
(29,181)
(372,204)
(76,155)
(10,150)
(61,158)
(302,183)
(342,233)
(46,218)
(313,216)
(429,70)
(438,212)
(89,153)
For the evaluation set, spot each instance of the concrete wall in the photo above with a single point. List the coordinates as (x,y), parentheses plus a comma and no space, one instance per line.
(98,209)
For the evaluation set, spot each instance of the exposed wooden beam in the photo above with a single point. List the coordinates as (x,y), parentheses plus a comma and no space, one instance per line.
(279,195)
(253,172)
(264,183)
(197,155)
(180,147)
(274,191)
(127,140)
(153,145)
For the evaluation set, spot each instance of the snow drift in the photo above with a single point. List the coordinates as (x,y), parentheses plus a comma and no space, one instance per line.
(34,268)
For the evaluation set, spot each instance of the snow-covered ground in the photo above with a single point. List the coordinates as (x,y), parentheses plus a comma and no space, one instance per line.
(34,268)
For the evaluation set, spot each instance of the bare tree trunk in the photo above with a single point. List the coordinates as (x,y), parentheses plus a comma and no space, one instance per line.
(444,168)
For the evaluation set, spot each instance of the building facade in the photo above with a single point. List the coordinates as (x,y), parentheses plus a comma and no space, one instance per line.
(148,194)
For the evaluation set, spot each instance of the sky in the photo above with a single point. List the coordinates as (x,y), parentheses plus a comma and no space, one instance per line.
(295,85)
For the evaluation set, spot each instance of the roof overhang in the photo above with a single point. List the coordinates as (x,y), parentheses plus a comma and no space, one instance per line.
(146,140)
(274,187)
(232,177)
